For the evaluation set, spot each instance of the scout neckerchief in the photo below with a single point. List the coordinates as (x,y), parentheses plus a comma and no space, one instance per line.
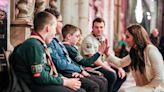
(66,53)
(99,38)
(64,50)
(53,70)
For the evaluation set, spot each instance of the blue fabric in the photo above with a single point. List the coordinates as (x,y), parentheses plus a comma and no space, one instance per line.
(61,58)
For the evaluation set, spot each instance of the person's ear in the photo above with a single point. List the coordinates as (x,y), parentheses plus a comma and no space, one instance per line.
(47,28)
(68,36)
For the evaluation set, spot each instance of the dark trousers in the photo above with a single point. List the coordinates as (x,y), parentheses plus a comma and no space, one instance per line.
(101,81)
(92,83)
(53,88)
(114,82)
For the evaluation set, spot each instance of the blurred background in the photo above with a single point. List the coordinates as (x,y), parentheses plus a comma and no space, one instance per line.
(16,24)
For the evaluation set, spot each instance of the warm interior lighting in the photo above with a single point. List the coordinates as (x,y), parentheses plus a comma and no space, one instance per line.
(139,11)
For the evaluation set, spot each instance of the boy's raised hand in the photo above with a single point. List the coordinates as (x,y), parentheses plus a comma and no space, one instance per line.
(102,47)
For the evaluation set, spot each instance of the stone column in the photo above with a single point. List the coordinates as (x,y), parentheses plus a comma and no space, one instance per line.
(109,18)
(153,10)
(117,22)
(66,11)
(58,5)
(74,11)
(19,31)
(12,10)
(160,16)
(10,17)
(83,16)
(21,22)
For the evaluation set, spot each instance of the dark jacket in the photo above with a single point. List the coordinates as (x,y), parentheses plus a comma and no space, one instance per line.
(61,58)
(76,56)
(31,64)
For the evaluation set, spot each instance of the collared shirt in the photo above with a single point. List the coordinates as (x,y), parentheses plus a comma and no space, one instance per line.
(90,44)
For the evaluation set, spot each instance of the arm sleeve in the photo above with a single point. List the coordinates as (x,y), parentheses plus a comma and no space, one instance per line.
(75,55)
(61,63)
(119,62)
(90,60)
(157,63)
(35,57)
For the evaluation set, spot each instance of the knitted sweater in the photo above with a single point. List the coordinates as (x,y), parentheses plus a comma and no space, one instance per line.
(153,75)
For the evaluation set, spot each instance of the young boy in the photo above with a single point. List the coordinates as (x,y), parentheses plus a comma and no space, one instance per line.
(68,67)
(32,63)
(71,36)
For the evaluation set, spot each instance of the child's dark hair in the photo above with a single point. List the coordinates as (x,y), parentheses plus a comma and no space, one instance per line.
(68,29)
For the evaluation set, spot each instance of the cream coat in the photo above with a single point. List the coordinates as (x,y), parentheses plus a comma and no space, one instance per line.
(152,80)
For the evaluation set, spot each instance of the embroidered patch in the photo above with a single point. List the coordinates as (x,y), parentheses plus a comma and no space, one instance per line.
(36,68)
(78,58)
(100,38)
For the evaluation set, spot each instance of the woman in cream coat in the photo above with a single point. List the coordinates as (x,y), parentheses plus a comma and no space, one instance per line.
(144,60)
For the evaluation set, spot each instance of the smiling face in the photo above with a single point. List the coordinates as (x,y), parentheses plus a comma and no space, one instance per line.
(80,39)
(136,36)
(74,38)
(98,28)
(129,39)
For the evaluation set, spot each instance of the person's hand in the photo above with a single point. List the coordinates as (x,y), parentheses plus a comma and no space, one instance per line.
(102,47)
(107,42)
(121,73)
(72,83)
(77,75)
(85,73)
(106,52)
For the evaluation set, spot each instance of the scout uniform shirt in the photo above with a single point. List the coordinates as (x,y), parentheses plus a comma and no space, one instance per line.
(90,44)
(31,64)
(76,56)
